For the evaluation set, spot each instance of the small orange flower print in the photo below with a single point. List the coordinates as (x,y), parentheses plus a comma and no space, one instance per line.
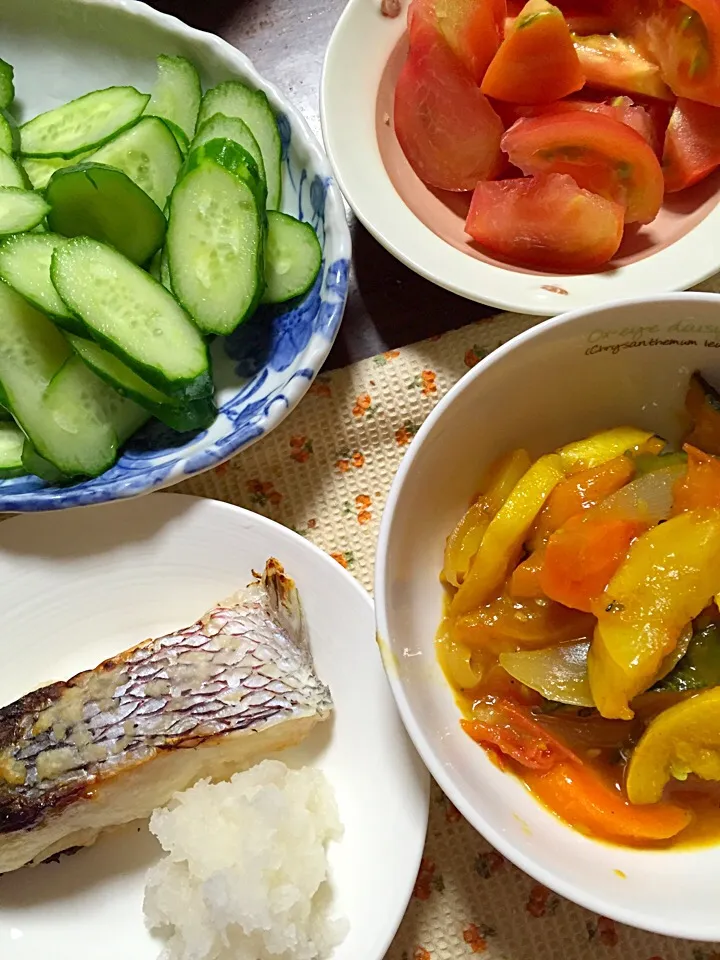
(474,355)
(487,864)
(607,933)
(358,460)
(537,902)
(475,940)
(263,493)
(362,503)
(424,883)
(421,954)
(312,523)
(346,559)
(300,449)
(452,814)
(222,469)
(343,465)
(405,433)
(428,382)
(362,405)
(320,388)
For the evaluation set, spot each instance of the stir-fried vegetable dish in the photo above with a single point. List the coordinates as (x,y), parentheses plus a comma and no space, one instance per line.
(582,632)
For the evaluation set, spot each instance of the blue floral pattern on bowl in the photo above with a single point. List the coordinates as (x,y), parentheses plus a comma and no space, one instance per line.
(261,371)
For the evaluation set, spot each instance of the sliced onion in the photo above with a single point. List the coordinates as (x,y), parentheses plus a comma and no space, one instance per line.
(648,498)
(462,670)
(558,673)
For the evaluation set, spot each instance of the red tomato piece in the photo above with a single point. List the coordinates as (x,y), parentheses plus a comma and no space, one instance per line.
(692,144)
(446,127)
(472,28)
(614,63)
(619,108)
(512,730)
(684,38)
(579,23)
(546,222)
(536,62)
(599,153)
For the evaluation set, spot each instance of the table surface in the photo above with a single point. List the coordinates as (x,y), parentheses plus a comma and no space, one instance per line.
(388,306)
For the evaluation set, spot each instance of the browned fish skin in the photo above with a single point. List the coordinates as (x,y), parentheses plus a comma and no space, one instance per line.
(244,666)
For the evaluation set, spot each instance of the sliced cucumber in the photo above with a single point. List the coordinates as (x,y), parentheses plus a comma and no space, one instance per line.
(10,173)
(149,154)
(165,278)
(292,258)
(133,316)
(32,354)
(11,447)
(194,415)
(25,262)
(39,170)
(234,99)
(20,210)
(176,94)
(215,245)
(235,129)
(236,160)
(9,133)
(82,124)
(7,85)
(92,200)
(40,467)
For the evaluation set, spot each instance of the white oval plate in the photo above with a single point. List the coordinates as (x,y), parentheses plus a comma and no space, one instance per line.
(79,586)
(356,59)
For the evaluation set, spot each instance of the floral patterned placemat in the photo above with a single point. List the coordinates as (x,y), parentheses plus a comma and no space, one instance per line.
(325,472)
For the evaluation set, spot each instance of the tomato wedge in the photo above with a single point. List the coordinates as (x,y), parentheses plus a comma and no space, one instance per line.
(684,38)
(536,62)
(511,729)
(614,63)
(692,144)
(618,108)
(546,222)
(446,127)
(472,28)
(599,153)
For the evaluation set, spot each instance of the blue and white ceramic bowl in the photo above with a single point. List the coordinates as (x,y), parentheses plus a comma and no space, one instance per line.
(64,48)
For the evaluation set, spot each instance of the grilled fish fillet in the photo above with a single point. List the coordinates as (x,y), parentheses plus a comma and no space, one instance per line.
(114,743)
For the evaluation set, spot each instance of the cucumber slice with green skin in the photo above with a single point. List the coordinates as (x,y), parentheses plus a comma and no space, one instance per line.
(235,129)
(177,93)
(40,467)
(149,154)
(292,258)
(32,354)
(12,440)
(233,158)
(133,316)
(92,200)
(83,124)
(7,85)
(10,173)
(215,245)
(25,262)
(5,415)
(182,140)
(40,170)
(20,210)
(234,99)
(9,133)
(195,415)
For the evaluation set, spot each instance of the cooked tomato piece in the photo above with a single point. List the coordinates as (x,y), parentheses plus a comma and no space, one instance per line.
(699,488)
(547,222)
(601,154)
(684,38)
(512,730)
(702,403)
(692,144)
(472,28)
(618,108)
(536,62)
(614,63)
(446,127)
